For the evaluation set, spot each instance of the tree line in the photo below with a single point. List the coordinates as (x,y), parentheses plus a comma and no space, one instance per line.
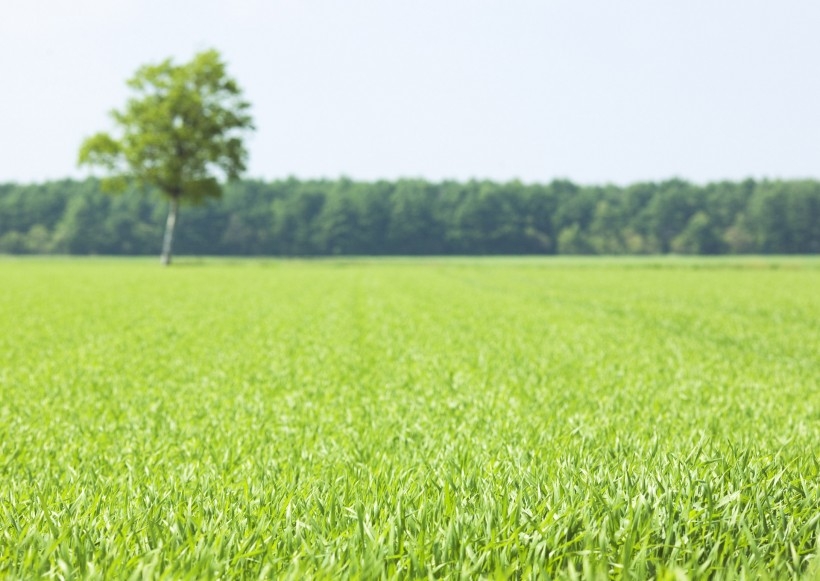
(416,217)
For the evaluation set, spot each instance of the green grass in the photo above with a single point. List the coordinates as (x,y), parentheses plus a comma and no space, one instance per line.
(413,418)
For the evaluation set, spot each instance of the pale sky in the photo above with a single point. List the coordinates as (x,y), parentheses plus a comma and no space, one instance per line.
(591,90)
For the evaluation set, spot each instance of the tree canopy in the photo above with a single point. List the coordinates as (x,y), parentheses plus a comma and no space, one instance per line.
(181,133)
(345,217)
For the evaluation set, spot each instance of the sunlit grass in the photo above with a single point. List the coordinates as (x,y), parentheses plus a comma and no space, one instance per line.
(414,418)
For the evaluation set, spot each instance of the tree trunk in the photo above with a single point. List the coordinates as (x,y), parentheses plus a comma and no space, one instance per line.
(168,240)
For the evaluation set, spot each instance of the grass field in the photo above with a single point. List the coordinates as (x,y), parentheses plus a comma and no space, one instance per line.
(410,418)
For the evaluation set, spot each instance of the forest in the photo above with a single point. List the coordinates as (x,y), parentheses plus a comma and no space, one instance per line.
(294,217)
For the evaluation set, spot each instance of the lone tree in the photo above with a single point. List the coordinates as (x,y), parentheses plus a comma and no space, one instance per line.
(181,132)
